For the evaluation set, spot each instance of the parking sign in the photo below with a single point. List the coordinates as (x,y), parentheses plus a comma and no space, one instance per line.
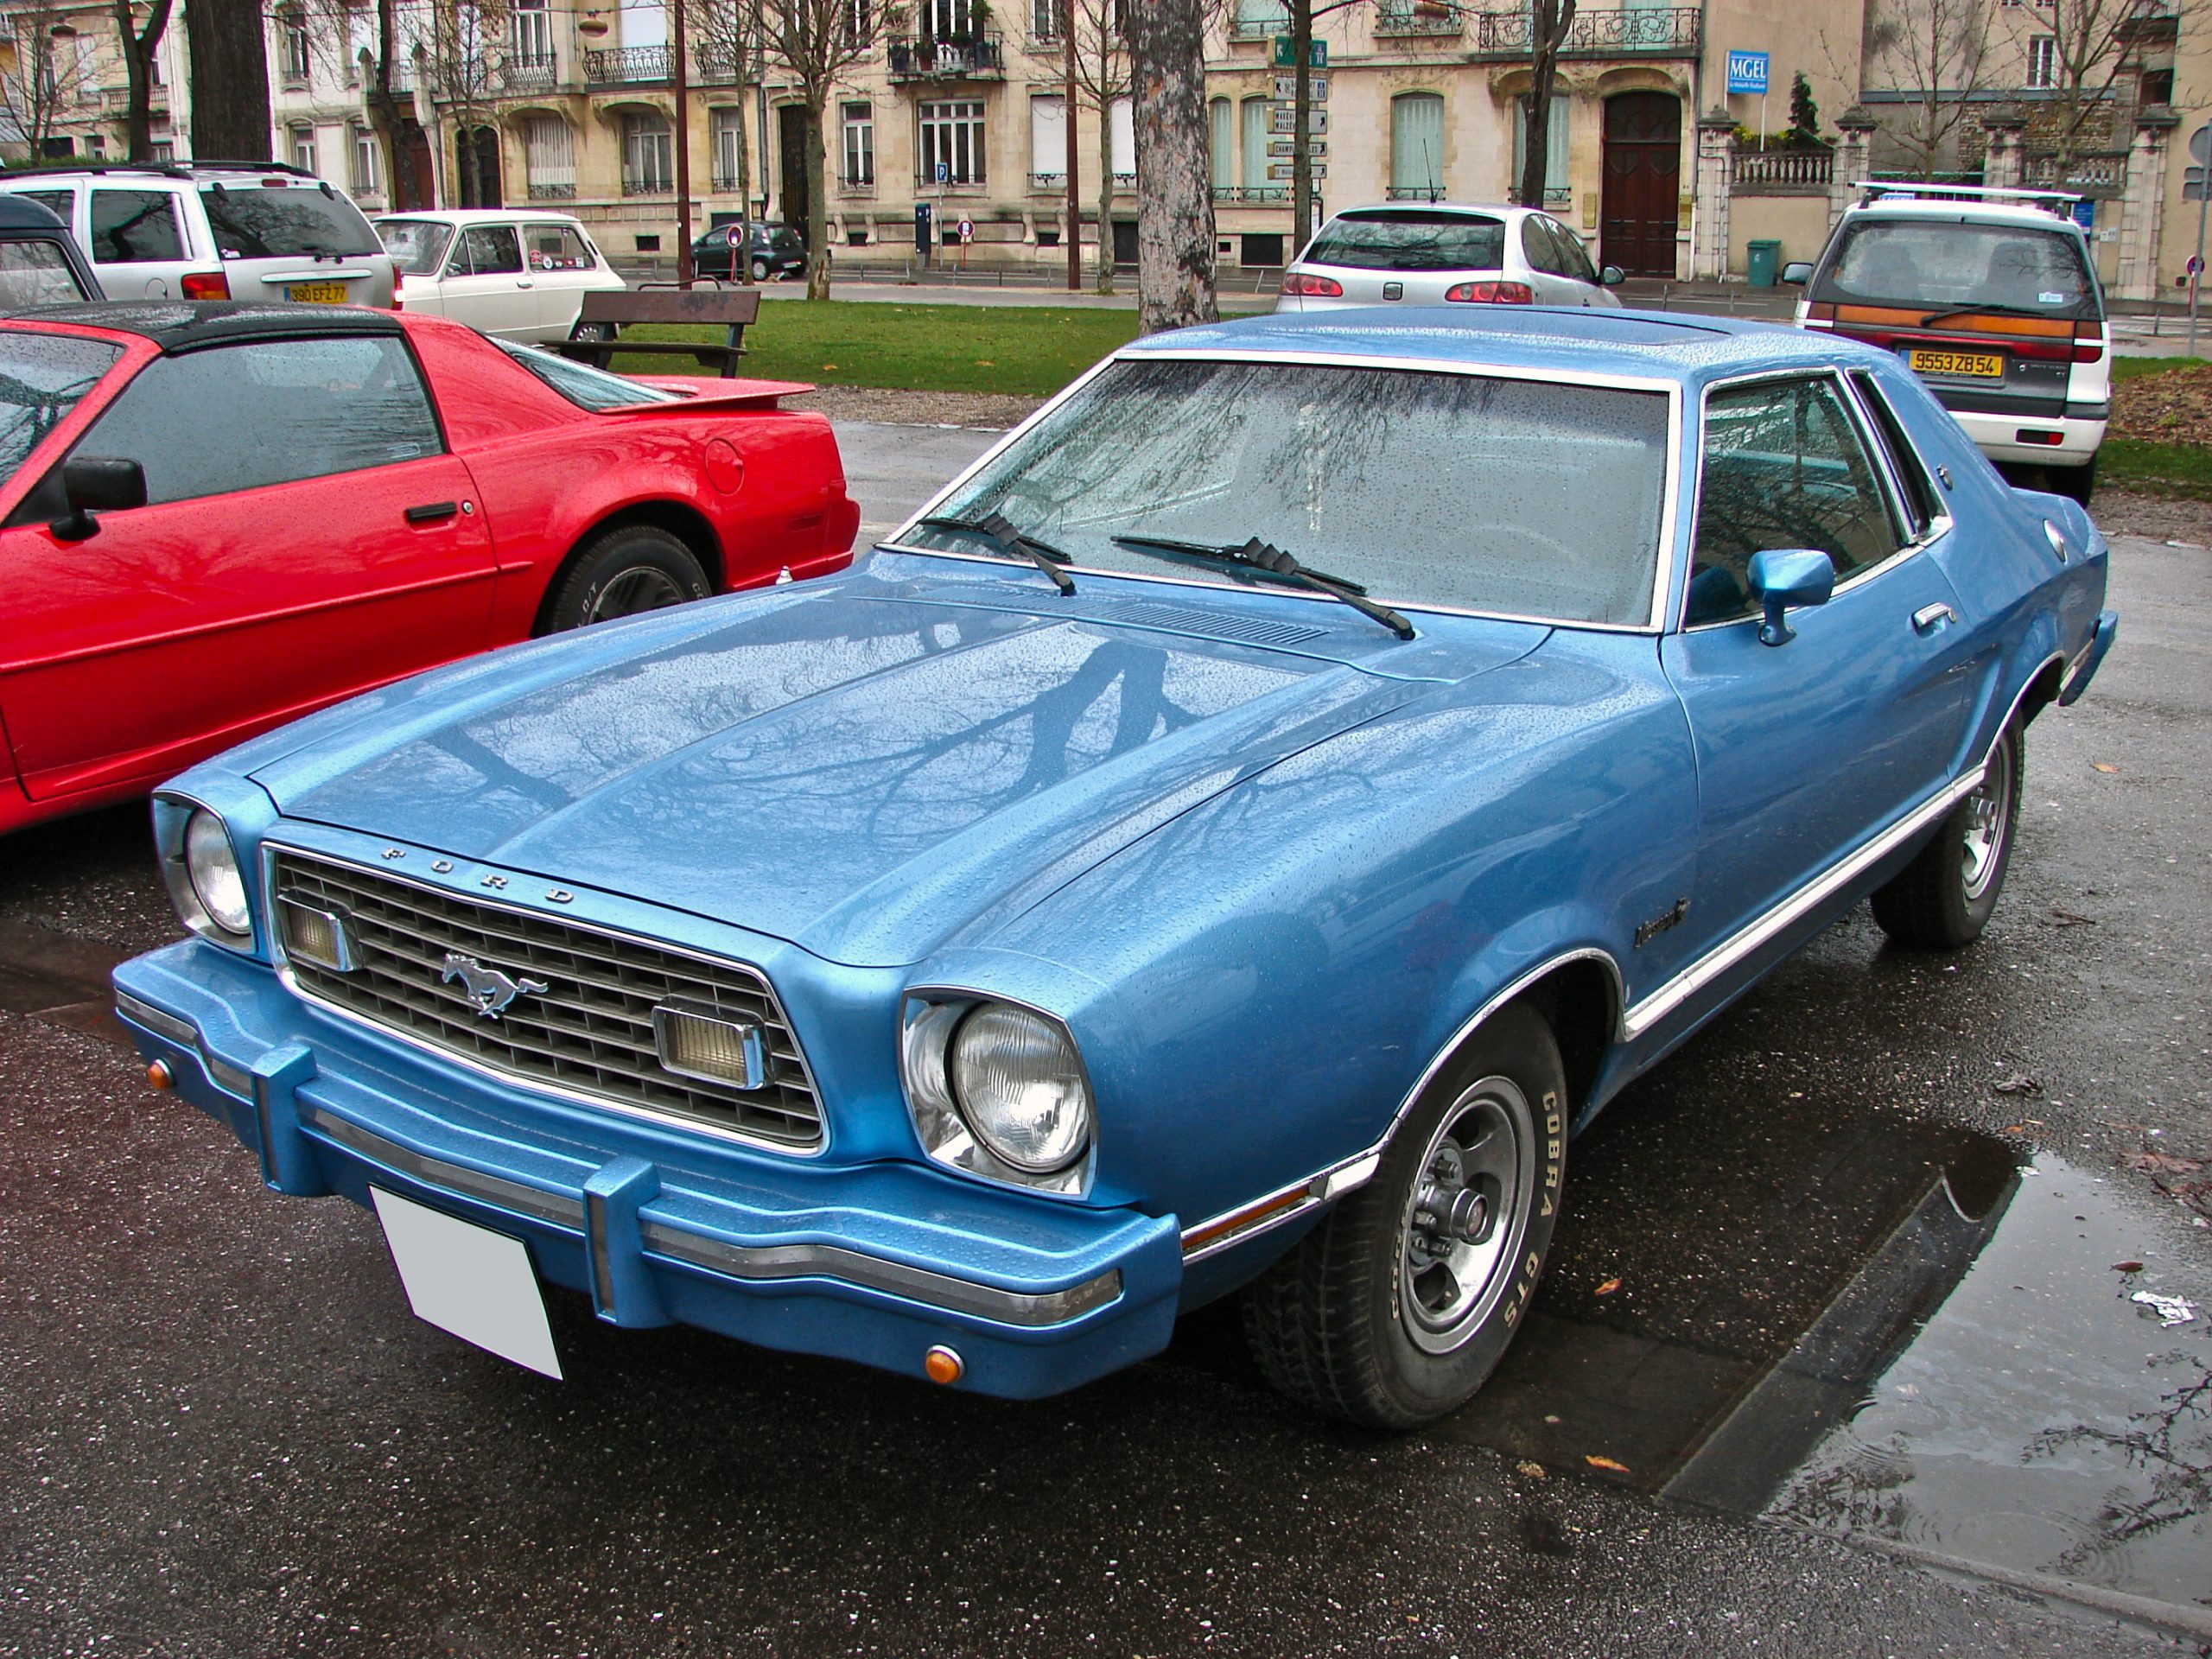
(944,171)
(1747,73)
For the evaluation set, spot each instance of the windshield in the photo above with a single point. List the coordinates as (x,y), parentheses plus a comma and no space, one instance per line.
(259,222)
(36,273)
(1940,263)
(1410,242)
(417,246)
(1474,493)
(583,384)
(42,377)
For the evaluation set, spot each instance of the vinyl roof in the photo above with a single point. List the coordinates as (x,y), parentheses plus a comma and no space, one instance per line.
(179,325)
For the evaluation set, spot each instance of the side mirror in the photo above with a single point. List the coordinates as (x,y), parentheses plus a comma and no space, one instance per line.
(1784,578)
(1797,273)
(97,484)
(1612,276)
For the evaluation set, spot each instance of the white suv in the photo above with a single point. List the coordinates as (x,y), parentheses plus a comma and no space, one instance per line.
(1991,296)
(216,231)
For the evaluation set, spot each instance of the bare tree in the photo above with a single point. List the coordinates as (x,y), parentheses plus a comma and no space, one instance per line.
(1548,22)
(230,80)
(51,74)
(1175,227)
(815,41)
(139,47)
(1936,53)
(2091,43)
(1102,81)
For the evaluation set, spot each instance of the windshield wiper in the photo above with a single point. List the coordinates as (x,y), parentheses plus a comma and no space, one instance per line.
(1987,310)
(1271,560)
(994,528)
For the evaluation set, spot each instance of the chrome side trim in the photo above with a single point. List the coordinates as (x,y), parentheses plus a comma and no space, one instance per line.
(231,1079)
(767,1261)
(1713,963)
(557,1208)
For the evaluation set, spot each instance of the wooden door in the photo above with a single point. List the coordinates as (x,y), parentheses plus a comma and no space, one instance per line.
(1639,207)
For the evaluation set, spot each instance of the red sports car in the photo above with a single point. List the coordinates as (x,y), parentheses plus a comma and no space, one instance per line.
(215,518)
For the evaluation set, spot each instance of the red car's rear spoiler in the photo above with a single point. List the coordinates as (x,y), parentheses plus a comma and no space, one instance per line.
(699,390)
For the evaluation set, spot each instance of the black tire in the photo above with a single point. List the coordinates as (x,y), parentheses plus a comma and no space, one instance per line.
(759,270)
(1943,898)
(1353,1322)
(596,332)
(2077,483)
(628,570)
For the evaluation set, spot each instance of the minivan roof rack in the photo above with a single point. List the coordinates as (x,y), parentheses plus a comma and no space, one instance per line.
(2060,202)
(180,169)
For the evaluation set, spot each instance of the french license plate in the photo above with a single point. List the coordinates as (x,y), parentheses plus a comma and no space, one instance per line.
(1988,365)
(318,292)
(468,1280)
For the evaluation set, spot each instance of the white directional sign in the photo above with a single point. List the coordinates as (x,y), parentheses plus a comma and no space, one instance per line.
(1283,118)
(1317,88)
(1287,171)
(1287,147)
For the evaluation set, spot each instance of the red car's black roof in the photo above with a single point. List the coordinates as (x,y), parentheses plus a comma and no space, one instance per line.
(179,325)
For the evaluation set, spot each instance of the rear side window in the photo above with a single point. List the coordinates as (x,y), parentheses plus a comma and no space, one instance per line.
(1939,264)
(290,409)
(62,204)
(556,247)
(36,273)
(42,377)
(487,250)
(1574,259)
(285,222)
(1920,508)
(135,227)
(1410,242)
(1538,249)
(583,386)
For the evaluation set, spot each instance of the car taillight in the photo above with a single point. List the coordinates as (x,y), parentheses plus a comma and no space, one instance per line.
(399,300)
(2088,341)
(1491,294)
(1324,288)
(205,285)
(1823,311)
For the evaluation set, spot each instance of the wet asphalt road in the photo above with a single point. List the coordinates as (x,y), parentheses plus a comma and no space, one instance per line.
(222,1434)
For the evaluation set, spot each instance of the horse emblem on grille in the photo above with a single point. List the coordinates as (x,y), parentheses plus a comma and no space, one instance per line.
(490,990)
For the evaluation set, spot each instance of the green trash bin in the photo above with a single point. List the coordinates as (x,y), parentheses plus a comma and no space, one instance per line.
(1765,263)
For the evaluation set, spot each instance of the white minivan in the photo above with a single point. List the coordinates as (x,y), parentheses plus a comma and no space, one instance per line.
(515,275)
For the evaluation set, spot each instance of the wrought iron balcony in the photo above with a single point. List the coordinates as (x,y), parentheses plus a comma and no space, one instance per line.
(1636,32)
(1429,18)
(977,55)
(1259,27)
(627,66)
(647,187)
(1048,184)
(538,72)
(544,190)
(1251,193)
(714,64)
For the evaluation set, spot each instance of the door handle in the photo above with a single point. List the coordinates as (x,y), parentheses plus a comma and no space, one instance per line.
(1929,618)
(431,511)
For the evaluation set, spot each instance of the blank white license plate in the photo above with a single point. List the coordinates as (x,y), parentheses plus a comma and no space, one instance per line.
(476,1283)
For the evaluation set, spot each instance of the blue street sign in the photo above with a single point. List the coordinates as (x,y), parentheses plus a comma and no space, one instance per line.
(2085,214)
(1747,72)
(944,171)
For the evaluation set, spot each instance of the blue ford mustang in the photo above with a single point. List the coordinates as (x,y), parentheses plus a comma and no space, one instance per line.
(1228,843)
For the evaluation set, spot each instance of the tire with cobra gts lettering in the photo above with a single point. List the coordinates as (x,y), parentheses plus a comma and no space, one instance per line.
(1396,1308)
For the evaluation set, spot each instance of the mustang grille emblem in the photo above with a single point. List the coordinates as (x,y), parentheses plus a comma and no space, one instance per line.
(487,987)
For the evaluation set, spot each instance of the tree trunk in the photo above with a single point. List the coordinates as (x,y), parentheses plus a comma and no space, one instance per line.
(817,203)
(230,80)
(1106,197)
(1548,22)
(138,56)
(1175,229)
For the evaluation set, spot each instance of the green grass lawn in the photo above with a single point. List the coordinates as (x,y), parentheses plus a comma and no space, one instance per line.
(2139,463)
(2128,368)
(1028,351)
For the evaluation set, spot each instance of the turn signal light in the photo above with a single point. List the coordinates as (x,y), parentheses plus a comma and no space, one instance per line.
(158,1074)
(205,285)
(1491,294)
(1321,288)
(943,1365)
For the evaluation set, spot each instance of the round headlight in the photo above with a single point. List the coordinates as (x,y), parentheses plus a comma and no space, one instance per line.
(1020,1087)
(214,869)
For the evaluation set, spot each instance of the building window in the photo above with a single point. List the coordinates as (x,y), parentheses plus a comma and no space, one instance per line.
(648,156)
(859,19)
(1220,133)
(1123,146)
(533,23)
(293,25)
(1417,144)
(303,149)
(164,149)
(1253,20)
(949,20)
(858,121)
(549,158)
(1048,139)
(1045,19)
(2043,61)
(1254,115)
(1555,186)
(952,137)
(364,162)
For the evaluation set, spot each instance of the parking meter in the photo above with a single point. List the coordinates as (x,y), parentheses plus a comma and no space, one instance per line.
(922,229)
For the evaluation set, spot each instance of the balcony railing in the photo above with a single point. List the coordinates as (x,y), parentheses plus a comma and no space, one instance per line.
(1782,170)
(1048,184)
(626,66)
(714,64)
(2101,176)
(1251,193)
(534,73)
(978,56)
(856,186)
(1259,29)
(652,186)
(1418,17)
(549,190)
(926,184)
(1635,32)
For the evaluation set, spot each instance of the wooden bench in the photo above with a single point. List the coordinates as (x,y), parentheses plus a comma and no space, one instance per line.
(607,314)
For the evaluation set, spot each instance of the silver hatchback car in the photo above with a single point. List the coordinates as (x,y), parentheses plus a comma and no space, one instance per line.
(1439,252)
(216,231)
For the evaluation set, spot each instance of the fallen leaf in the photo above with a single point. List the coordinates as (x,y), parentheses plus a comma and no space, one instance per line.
(2020,1083)
(2104,765)
(2127,1267)
(1534,1471)
(985,363)
(2014,1129)
(1608,1287)
(829,365)
(2066,917)
(2161,1163)
(1606,1464)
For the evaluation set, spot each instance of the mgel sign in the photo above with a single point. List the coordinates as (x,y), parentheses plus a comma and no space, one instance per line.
(1746,71)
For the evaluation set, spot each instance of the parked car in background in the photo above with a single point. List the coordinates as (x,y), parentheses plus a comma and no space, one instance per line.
(765,248)
(1227,842)
(218,517)
(1991,296)
(39,261)
(255,230)
(520,276)
(1442,252)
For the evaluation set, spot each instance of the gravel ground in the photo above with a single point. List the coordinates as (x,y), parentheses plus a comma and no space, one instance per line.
(991,410)
(2177,521)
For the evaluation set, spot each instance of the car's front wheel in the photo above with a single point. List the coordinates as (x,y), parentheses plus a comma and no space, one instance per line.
(1943,898)
(1396,1308)
(630,569)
